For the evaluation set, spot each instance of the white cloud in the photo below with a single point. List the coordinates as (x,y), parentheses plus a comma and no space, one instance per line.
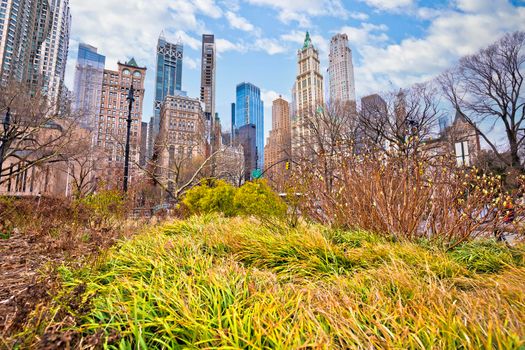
(270,46)
(389,5)
(453,33)
(239,22)
(367,33)
(121,30)
(301,11)
(361,16)
(191,63)
(224,45)
(187,40)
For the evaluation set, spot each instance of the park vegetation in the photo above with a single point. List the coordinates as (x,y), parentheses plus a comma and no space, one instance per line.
(217,282)
(380,239)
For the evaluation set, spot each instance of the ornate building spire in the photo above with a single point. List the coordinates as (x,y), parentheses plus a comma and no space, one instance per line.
(307,41)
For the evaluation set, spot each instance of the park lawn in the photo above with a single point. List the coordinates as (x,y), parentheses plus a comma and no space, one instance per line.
(214,282)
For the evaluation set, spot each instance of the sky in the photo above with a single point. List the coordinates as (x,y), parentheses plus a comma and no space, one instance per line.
(395,43)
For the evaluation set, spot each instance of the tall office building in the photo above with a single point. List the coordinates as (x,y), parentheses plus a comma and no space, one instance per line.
(53,55)
(87,91)
(143,143)
(24,25)
(181,137)
(245,136)
(168,80)
(208,65)
(373,110)
(341,71)
(278,147)
(249,109)
(307,93)
(232,127)
(112,125)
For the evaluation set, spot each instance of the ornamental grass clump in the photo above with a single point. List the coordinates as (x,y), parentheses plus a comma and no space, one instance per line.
(216,282)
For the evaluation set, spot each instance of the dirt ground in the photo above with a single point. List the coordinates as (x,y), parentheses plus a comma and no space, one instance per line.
(22,284)
(27,271)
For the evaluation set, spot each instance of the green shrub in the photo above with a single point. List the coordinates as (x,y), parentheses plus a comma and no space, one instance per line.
(257,198)
(214,196)
(253,198)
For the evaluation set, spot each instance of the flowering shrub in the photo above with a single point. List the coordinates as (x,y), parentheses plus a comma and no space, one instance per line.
(410,197)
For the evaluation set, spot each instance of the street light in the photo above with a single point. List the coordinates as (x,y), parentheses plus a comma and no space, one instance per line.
(131,99)
(6,123)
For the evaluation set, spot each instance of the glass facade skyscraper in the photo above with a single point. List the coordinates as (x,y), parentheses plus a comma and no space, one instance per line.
(168,81)
(89,73)
(249,109)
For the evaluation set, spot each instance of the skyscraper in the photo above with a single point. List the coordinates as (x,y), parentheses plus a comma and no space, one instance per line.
(307,93)
(246,137)
(87,91)
(24,25)
(341,71)
(278,148)
(208,62)
(112,125)
(168,80)
(53,54)
(181,137)
(249,109)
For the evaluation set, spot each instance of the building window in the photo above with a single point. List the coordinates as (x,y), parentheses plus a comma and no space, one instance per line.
(462,153)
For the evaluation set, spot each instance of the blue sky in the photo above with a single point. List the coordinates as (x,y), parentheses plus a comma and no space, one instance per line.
(395,42)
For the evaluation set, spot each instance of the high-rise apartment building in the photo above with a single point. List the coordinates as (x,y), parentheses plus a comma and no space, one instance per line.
(249,109)
(112,125)
(168,80)
(341,71)
(53,54)
(87,91)
(278,147)
(24,25)
(208,65)
(307,93)
(181,137)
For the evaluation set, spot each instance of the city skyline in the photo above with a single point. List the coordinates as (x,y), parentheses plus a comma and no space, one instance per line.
(391,40)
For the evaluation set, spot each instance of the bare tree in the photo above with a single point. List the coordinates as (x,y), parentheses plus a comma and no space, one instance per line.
(327,135)
(36,134)
(402,121)
(83,161)
(486,89)
(230,165)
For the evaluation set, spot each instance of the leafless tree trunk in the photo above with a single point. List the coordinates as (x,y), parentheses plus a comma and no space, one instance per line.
(35,135)
(486,88)
(402,121)
(328,136)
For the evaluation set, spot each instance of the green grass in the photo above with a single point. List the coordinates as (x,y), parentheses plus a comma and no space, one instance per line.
(211,282)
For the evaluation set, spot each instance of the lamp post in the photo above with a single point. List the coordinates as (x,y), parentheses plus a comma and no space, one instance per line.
(3,146)
(130,99)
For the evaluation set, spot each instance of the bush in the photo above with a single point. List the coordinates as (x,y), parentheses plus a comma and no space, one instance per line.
(257,198)
(211,197)
(253,198)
